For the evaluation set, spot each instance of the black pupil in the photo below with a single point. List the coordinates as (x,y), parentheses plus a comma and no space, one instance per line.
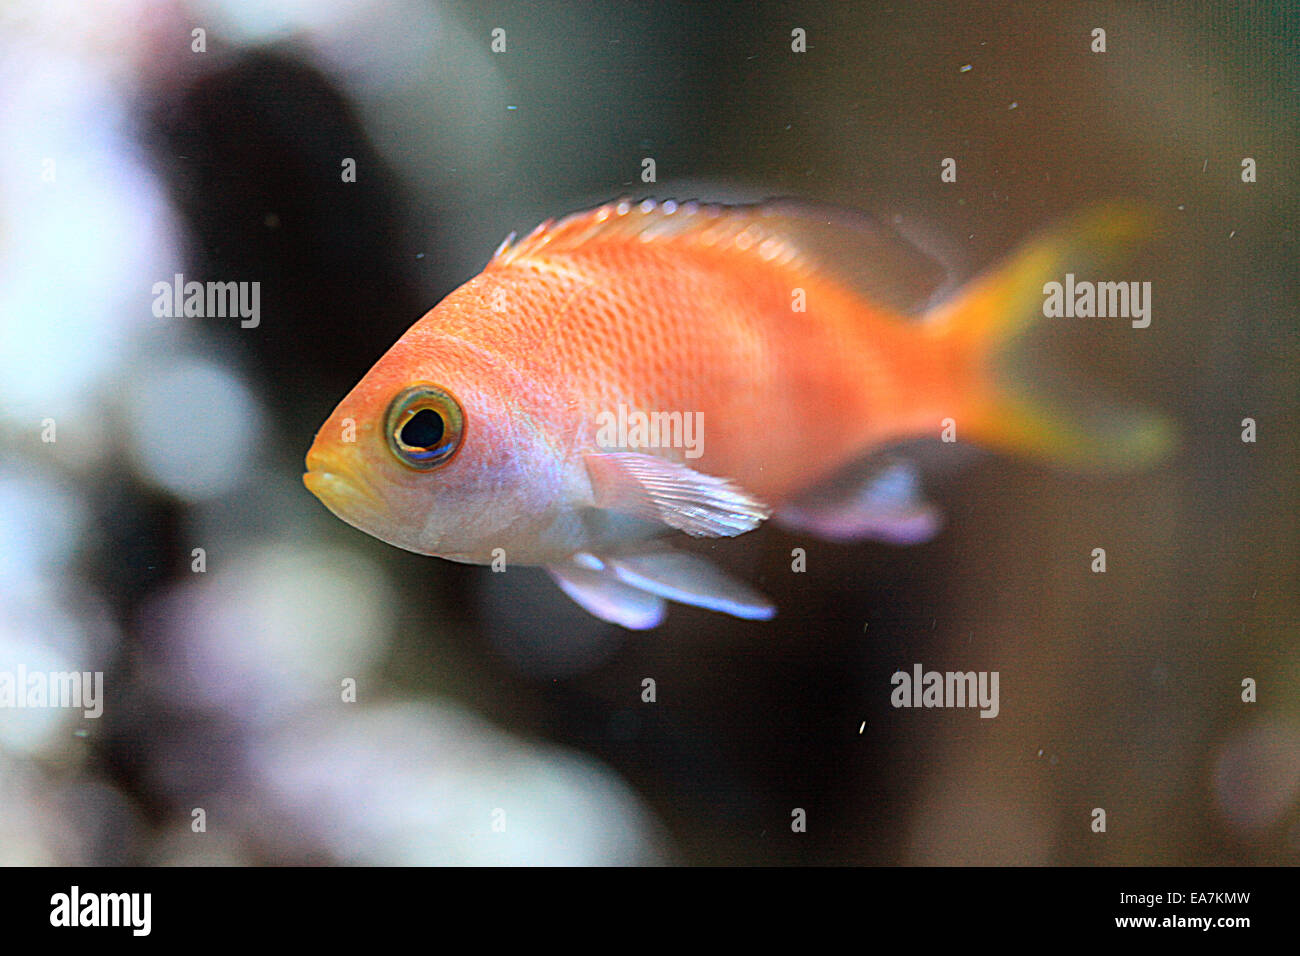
(424,430)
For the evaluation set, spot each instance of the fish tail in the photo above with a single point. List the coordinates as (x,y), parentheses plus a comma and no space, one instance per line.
(994,402)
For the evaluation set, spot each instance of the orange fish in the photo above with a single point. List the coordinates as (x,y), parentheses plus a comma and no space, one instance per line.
(639,370)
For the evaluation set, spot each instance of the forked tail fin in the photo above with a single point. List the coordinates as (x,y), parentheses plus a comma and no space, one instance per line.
(983,323)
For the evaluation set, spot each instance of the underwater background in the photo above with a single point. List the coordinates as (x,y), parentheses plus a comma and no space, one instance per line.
(153,523)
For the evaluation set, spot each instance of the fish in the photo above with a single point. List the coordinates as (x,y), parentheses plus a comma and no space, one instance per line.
(539,414)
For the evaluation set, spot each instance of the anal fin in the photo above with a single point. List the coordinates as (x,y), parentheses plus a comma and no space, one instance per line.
(879,501)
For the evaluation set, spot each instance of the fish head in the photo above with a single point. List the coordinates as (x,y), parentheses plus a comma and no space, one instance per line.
(442,450)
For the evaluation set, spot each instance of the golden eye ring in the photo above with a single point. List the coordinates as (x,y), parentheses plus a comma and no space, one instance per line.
(425,425)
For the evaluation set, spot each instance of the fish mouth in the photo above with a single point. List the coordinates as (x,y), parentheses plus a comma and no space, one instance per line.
(336,486)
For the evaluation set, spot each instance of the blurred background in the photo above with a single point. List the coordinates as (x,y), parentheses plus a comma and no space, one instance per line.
(131,155)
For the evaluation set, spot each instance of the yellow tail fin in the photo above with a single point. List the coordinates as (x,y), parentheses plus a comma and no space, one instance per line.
(998,409)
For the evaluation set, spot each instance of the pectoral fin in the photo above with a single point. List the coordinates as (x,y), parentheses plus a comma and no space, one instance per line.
(687,579)
(880,501)
(630,589)
(604,595)
(702,505)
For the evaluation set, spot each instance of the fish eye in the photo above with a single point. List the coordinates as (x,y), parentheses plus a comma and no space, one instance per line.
(424,425)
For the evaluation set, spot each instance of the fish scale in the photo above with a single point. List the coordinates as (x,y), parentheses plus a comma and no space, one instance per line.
(675,330)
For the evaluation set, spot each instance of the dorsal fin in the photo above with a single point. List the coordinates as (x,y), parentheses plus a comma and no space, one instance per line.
(860,252)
